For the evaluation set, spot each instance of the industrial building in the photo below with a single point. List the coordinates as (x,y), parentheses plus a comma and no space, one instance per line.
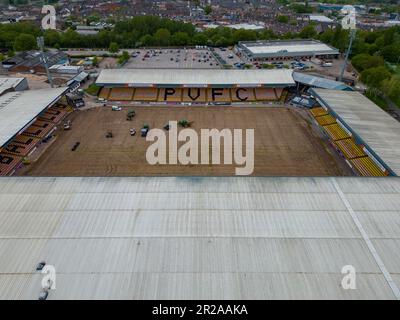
(193,86)
(200,238)
(31,61)
(273,50)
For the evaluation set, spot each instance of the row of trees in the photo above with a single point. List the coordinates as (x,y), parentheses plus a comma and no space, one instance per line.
(375,54)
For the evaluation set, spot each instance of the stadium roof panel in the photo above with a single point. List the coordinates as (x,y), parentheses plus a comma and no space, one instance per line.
(319,82)
(371,125)
(9,83)
(202,238)
(194,77)
(18,109)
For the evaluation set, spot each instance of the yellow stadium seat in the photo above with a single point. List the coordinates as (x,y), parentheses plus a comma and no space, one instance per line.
(170,95)
(278,93)
(350,149)
(367,167)
(317,112)
(325,120)
(219,95)
(121,94)
(336,132)
(243,94)
(145,94)
(104,93)
(265,94)
(194,95)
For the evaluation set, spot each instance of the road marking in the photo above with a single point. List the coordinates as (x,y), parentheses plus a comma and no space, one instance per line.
(368,241)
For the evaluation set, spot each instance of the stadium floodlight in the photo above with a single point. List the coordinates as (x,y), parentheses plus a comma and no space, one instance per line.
(40,43)
(348,23)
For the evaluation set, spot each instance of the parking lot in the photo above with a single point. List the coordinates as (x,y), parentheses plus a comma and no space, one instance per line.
(228,55)
(172,58)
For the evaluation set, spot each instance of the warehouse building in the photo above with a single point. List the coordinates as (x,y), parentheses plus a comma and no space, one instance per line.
(264,51)
(200,238)
(31,61)
(194,86)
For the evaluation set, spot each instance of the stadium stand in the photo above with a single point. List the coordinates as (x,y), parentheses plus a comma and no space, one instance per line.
(8,163)
(319,111)
(350,149)
(21,146)
(336,132)
(219,95)
(194,95)
(345,143)
(279,93)
(145,94)
(367,167)
(265,94)
(104,93)
(170,95)
(61,107)
(325,120)
(243,94)
(39,129)
(54,116)
(121,94)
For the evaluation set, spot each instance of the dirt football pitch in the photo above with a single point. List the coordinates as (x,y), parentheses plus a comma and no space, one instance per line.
(286,144)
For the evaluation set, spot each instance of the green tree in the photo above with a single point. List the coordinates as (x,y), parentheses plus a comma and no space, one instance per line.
(374,77)
(391,52)
(114,47)
(162,37)
(308,32)
(365,61)
(180,39)
(282,19)
(207,10)
(24,42)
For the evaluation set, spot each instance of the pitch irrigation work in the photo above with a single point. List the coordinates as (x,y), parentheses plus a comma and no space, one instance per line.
(285,143)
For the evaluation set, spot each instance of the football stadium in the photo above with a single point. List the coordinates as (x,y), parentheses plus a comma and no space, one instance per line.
(286,141)
(325,140)
(115,227)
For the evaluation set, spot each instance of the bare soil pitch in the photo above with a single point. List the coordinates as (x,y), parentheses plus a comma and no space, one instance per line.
(284,143)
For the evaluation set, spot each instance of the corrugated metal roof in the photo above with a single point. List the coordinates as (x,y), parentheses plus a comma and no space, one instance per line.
(197,238)
(217,77)
(319,82)
(18,109)
(370,123)
(288,47)
(9,83)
